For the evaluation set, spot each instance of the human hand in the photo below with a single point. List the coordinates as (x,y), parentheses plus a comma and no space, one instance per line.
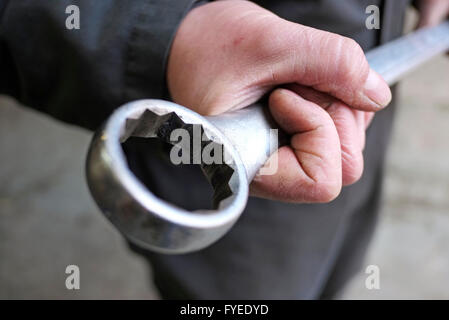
(432,12)
(349,123)
(227,54)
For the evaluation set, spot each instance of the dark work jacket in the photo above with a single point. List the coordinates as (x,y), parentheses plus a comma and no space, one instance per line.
(275,250)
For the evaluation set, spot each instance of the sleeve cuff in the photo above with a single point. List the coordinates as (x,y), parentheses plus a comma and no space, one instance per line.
(156,23)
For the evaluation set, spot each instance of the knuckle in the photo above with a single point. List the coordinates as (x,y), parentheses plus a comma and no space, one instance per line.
(352,64)
(352,45)
(268,39)
(352,175)
(326,191)
(352,178)
(352,168)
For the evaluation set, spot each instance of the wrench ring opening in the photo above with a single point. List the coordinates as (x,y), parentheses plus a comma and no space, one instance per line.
(141,216)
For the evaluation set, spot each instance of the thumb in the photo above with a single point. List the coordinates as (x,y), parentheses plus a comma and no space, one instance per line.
(326,61)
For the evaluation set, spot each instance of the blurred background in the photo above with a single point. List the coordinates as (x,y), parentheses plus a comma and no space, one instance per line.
(48,219)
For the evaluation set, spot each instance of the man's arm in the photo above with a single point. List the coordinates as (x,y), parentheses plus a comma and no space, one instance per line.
(324,91)
(80,75)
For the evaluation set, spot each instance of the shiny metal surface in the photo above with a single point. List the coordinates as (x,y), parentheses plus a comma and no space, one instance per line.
(133,209)
(395,59)
(245,135)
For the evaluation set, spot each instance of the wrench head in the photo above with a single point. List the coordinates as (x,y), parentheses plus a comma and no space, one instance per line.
(135,211)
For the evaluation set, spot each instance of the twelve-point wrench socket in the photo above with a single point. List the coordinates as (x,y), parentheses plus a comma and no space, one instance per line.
(244,135)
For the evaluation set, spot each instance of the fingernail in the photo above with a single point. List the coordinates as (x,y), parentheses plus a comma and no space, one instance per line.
(377,90)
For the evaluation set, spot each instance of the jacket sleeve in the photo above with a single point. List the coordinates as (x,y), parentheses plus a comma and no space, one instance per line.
(80,75)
